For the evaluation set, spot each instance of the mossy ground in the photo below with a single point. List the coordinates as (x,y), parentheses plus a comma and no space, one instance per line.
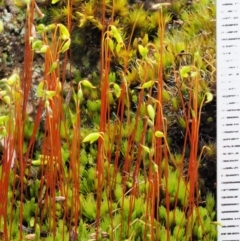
(69,206)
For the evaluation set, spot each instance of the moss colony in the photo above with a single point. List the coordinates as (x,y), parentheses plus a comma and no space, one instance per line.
(121,142)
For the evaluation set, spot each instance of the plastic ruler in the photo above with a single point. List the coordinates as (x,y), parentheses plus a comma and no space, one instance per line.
(228,119)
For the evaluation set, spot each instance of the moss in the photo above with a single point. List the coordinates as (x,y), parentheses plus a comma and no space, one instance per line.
(130,181)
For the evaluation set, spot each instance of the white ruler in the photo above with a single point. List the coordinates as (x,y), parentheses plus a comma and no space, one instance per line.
(228,119)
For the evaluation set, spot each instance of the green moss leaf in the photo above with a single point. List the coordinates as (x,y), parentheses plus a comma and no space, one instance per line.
(145,40)
(210,201)
(162,213)
(89,207)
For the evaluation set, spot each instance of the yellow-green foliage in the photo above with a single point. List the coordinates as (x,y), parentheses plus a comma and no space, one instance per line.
(138,60)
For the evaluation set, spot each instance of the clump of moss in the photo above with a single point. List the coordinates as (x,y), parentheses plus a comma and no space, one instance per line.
(137,55)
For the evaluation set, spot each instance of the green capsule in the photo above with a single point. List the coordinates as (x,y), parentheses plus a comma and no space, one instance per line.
(175,104)
(165,95)
(182,122)
(199,232)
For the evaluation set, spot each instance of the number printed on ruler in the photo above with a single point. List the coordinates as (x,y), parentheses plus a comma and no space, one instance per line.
(228,119)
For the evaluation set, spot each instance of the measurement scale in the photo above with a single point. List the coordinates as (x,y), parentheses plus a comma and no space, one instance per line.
(228,119)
